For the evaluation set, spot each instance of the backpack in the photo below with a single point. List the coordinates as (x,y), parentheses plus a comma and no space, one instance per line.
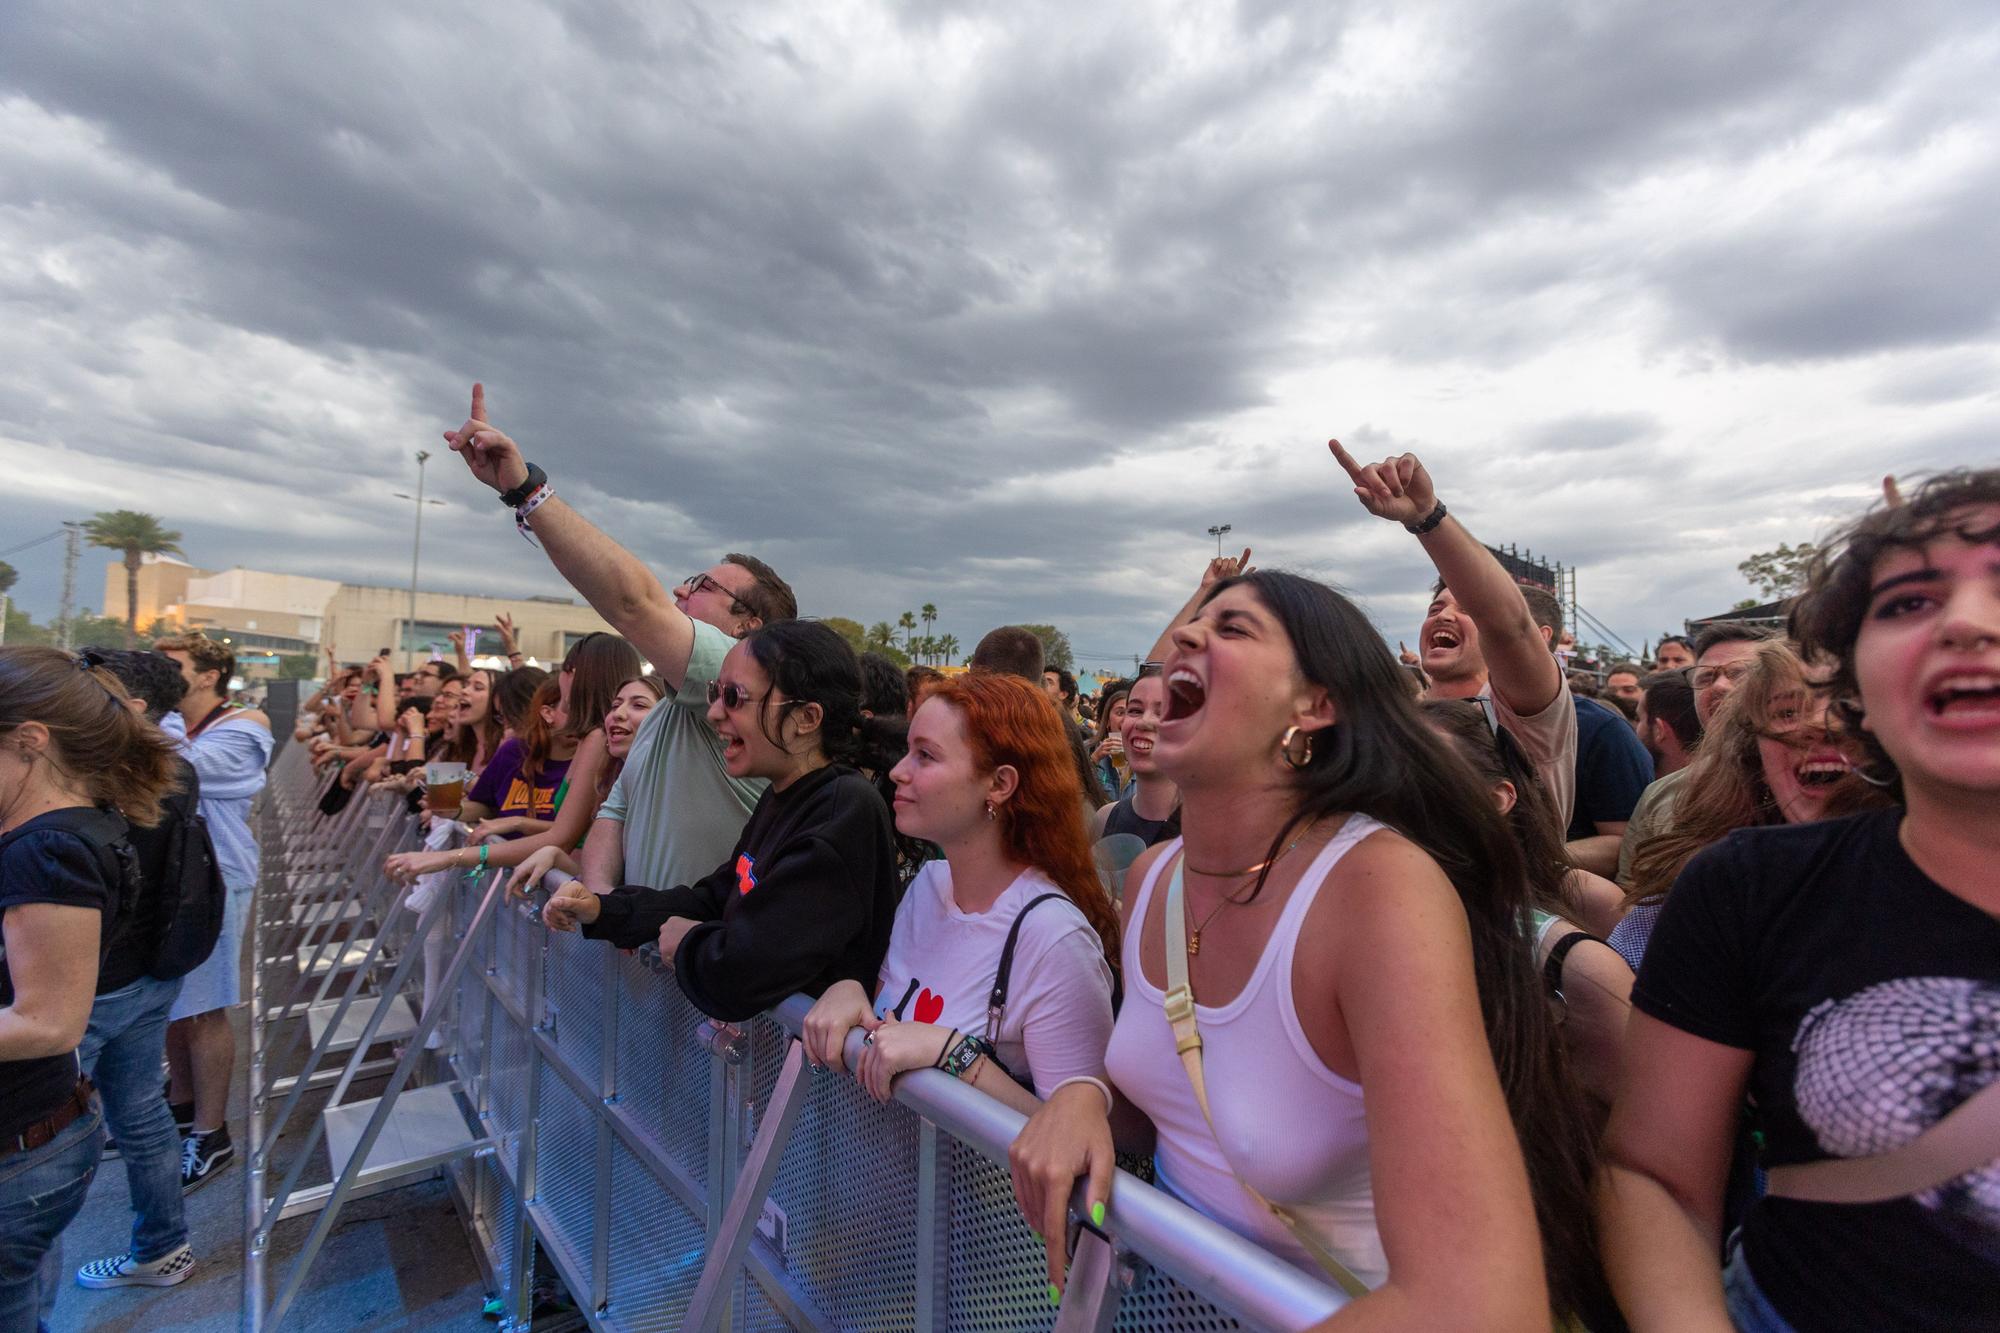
(191,899)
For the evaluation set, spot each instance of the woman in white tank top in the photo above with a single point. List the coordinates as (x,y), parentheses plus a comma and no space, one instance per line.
(1332,966)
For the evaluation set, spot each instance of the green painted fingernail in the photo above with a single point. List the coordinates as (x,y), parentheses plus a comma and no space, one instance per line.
(1055,1294)
(1097,1213)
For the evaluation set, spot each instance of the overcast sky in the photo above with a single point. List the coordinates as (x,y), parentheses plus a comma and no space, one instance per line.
(997,307)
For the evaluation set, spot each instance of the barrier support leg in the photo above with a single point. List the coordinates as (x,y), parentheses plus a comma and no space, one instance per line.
(739,1221)
(323,1224)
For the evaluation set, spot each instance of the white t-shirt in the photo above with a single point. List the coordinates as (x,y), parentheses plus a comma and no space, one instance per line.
(942,963)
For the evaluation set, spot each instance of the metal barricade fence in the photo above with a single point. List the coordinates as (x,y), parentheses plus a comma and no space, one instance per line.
(677,1171)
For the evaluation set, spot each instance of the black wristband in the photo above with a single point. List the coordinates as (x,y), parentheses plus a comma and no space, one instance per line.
(1428,521)
(515,498)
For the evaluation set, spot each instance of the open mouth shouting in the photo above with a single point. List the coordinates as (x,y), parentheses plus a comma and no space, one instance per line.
(1186,693)
(1443,638)
(1821,767)
(1964,697)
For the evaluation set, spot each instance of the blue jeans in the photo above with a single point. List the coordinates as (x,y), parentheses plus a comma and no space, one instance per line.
(122,1052)
(40,1192)
(1749,1309)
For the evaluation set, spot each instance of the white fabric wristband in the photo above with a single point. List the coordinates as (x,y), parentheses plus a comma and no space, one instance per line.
(1110,1100)
(530,505)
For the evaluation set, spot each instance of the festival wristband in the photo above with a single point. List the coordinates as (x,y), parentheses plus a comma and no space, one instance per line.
(963,1056)
(535,501)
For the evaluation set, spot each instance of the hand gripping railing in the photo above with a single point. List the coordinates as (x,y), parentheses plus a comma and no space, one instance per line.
(678,1172)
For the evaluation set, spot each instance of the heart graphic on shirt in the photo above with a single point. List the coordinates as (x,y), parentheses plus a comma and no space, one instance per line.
(929,1006)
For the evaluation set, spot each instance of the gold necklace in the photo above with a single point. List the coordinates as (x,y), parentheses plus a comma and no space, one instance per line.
(1194,938)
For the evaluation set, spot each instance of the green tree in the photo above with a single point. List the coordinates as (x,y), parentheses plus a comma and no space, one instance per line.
(907,622)
(93,631)
(928,613)
(298,666)
(21,628)
(8,576)
(135,535)
(850,630)
(1781,573)
(882,639)
(1056,651)
(947,648)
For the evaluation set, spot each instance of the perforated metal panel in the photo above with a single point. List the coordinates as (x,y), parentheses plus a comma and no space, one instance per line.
(663,1068)
(848,1186)
(997,1274)
(658,1246)
(1158,1304)
(566,1169)
(576,999)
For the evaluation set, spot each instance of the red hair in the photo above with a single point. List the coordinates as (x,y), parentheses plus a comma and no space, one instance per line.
(1009,721)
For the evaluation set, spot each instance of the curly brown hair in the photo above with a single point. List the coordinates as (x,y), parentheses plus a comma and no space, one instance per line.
(1826,619)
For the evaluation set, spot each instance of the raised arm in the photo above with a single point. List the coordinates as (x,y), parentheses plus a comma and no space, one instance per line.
(385,694)
(611,578)
(1522,670)
(1220,568)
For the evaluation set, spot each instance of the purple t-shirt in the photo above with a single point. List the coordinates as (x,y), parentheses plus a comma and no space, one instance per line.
(503,790)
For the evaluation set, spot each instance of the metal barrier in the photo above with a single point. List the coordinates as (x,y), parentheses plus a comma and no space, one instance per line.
(680,1172)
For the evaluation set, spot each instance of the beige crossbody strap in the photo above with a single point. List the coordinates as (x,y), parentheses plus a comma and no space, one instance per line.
(1187,1043)
(1961,1142)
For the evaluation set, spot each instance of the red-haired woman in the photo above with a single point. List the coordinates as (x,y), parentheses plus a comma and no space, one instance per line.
(988,777)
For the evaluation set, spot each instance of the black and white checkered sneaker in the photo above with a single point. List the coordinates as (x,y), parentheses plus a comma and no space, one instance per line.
(125,1271)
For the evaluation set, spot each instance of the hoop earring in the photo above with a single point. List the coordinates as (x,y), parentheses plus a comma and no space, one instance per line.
(1291,756)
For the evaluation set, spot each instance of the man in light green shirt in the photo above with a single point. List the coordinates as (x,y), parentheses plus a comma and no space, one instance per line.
(675,813)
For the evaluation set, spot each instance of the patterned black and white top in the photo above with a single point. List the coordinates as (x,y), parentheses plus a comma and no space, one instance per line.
(1871,997)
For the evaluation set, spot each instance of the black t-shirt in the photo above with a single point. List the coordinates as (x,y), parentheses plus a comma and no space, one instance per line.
(1612,769)
(807,899)
(1871,998)
(44,861)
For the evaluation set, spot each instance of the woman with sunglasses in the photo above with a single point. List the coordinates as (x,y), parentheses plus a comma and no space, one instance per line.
(808,896)
(1845,974)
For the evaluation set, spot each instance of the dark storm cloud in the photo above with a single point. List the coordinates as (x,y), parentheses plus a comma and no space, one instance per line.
(908,300)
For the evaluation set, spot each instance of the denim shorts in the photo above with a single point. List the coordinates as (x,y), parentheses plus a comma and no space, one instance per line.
(1749,1309)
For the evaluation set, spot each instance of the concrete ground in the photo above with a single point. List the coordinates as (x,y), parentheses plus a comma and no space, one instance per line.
(400,1260)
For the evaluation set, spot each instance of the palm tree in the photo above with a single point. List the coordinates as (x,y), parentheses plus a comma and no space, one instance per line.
(947,647)
(136,535)
(907,622)
(881,634)
(929,614)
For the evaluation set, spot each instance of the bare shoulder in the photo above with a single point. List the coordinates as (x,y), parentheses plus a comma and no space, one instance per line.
(1383,886)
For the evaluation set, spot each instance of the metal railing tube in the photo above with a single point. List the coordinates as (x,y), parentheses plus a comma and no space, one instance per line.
(1203,1255)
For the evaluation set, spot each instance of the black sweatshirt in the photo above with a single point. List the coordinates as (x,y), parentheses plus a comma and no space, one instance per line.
(807,899)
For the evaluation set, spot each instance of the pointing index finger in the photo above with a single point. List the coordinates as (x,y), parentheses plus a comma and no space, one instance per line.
(1346,461)
(478,402)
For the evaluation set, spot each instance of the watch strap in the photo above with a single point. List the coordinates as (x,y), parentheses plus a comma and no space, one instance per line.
(536,480)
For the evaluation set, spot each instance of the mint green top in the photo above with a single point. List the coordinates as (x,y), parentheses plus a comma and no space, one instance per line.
(681,810)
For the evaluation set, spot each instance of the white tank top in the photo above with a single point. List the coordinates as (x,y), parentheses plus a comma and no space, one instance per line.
(1285,1123)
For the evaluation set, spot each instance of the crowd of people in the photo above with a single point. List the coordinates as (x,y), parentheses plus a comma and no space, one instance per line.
(1499,997)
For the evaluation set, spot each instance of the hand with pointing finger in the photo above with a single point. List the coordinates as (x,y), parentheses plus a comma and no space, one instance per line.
(493,458)
(1405,656)
(1226,567)
(1396,488)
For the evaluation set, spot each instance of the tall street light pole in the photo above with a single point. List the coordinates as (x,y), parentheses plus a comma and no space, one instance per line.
(416,551)
(1217,532)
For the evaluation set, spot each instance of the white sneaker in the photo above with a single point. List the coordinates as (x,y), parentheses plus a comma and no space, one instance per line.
(125,1271)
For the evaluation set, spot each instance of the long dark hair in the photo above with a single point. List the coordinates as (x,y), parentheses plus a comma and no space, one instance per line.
(810,663)
(1381,759)
(1496,758)
(602,663)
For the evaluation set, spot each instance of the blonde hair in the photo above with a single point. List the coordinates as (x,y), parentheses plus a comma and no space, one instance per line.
(205,653)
